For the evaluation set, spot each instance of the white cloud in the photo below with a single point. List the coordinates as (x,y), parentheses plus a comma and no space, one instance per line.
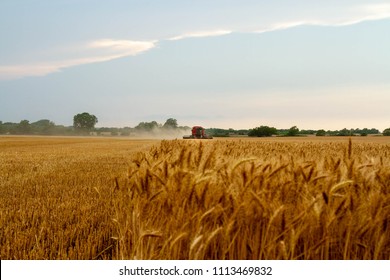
(10,72)
(280,26)
(361,14)
(354,16)
(92,52)
(128,47)
(200,34)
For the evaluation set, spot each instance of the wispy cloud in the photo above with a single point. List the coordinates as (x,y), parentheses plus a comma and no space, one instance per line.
(357,15)
(91,52)
(361,14)
(280,26)
(200,34)
(125,46)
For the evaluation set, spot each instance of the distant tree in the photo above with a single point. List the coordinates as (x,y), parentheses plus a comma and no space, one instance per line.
(386,132)
(43,123)
(9,128)
(373,131)
(63,130)
(321,132)
(24,127)
(147,126)
(84,122)
(366,131)
(262,131)
(293,131)
(244,132)
(307,131)
(345,132)
(217,132)
(170,123)
(43,127)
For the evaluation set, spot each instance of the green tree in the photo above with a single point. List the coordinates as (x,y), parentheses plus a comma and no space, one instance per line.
(170,123)
(263,131)
(147,126)
(84,122)
(345,132)
(293,131)
(24,127)
(321,132)
(43,127)
(386,132)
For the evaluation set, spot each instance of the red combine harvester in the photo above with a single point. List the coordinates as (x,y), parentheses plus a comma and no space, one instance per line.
(198,132)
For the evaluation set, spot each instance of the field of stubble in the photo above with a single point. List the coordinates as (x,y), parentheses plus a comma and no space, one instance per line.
(273,198)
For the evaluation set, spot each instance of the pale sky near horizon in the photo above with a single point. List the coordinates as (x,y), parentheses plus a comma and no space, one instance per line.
(221,63)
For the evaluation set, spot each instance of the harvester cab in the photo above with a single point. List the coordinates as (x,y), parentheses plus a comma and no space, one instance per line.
(197,132)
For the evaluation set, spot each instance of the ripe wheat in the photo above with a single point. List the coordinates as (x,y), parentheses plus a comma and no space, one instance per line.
(178,199)
(256,200)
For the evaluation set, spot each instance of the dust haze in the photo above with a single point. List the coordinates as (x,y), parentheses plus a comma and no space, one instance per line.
(161,133)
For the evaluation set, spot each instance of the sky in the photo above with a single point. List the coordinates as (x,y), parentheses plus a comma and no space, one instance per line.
(220,63)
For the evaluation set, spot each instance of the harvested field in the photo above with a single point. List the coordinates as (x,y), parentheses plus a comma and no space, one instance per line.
(247,198)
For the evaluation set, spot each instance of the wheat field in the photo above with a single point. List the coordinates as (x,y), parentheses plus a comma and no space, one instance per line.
(267,198)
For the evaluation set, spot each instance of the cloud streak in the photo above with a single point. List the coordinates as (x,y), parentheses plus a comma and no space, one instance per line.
(201,34)
(280,26)
(104,50)
(360,14)
(125,46)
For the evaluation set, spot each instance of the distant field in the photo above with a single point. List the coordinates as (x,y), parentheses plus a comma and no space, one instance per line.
(229,198)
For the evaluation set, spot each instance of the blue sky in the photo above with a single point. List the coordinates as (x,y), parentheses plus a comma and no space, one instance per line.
(228,64)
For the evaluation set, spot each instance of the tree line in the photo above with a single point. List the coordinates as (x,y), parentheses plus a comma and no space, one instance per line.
(266,131)
(84,124)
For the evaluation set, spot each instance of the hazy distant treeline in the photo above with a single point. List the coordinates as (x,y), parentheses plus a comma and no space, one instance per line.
(264,131)
(47,127)
(41,127)
(170,129)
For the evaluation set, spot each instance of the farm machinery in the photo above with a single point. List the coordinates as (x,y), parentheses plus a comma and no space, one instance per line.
(197,132)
